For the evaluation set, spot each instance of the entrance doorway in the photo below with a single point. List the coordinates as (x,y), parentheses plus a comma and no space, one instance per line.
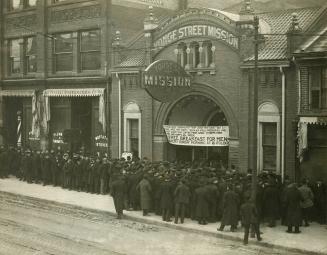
(197,110)
(81,119)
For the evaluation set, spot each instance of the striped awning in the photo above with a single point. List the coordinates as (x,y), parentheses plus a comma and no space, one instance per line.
(17,93)
(314,120)
(88,92)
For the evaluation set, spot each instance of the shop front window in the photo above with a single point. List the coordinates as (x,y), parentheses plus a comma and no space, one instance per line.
(31,2)
(90,50)
(63,52)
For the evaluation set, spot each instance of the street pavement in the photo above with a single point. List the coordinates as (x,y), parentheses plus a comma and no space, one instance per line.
(37,219)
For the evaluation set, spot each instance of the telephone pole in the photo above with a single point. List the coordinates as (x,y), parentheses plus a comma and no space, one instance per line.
(255,107)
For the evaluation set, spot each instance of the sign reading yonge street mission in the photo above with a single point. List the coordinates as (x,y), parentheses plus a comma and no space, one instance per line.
(166,80)
(198,135)
(214,32)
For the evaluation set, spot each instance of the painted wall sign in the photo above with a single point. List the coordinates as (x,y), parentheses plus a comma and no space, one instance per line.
(213,32)
(167,4)
(166,80)
(198,135)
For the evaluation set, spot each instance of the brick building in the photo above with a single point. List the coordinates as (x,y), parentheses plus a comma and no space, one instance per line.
(59,57)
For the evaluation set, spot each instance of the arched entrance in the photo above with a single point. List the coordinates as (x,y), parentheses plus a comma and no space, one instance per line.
(197,110)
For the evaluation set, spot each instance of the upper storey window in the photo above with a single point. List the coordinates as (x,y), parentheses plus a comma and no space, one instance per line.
(318,88)
(20,4)
(14,57)
(63,52)
(90,50)
(196,56)
(22,56)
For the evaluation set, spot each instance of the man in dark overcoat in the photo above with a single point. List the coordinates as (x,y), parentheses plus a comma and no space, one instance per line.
(213,199)
(293,207)
(271,203)
(118,192)
(230,209)
(182,196)
(249,217)
(166,199)
(145,189)
(202,203)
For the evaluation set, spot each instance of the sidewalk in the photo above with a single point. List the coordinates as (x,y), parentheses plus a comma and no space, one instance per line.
(312,240)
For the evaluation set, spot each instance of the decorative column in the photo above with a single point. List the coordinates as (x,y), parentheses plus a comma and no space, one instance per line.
(212,64)
(19,129)
(200,65)
(213,52)
(176,52)
(150,25)
(188,58)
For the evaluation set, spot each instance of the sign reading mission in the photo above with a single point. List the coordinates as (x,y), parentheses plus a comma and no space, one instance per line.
(166,80)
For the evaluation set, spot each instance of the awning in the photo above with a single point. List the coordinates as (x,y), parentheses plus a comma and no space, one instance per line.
(314,120)
(17,93)
(88,92)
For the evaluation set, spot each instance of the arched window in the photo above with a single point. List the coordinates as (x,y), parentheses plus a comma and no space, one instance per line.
(181,54)
(195,54)
(132,129)
(269,137)
(207,45)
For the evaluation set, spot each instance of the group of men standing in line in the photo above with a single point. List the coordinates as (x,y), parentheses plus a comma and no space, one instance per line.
(203,191)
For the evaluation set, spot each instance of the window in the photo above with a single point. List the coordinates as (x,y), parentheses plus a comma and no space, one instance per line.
(318,88)
(30,55)
(18,4)
(132,129)
(269,146)
(14,56)
(134,136)
(90,50)
(63,51)
(181,54)
(31,2)
(14,4)
(269,138)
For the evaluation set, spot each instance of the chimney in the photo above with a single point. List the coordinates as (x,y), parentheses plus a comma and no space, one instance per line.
(294,35)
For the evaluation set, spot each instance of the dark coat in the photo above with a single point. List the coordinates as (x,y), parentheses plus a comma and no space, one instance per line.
(118,192)
(293,200)
(144,187)
(230,208)
(202,202)
(249,214)
(271,201)
(166,195)
(182,194)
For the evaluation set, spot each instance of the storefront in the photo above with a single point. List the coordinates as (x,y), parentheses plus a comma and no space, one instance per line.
(20,118)
(75,118)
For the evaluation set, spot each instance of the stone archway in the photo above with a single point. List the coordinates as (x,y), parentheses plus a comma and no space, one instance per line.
(222,108)
(199,90)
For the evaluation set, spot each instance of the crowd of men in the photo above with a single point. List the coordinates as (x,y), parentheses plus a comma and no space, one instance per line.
(202,190)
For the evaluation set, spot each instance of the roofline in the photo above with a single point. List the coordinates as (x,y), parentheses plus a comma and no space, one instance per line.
(264,64)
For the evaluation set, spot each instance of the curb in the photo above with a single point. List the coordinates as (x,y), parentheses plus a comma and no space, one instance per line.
(146,220)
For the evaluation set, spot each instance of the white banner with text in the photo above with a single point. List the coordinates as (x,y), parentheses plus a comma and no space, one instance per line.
(198,135)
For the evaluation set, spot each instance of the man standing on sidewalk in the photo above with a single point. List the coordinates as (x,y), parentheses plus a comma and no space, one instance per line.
(182,199)
(118,192)
(293,200)
(307,203)
(144,187)
(249,216)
